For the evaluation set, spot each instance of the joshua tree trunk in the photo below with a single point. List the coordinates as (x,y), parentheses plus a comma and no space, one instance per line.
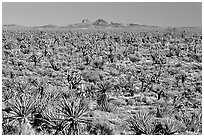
(20,127)
(103,102)
(142,87)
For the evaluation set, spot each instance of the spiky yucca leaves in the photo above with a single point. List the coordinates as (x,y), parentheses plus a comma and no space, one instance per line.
(74,111)
(7,95)
(51,122)
(43,103)
(142,123)
(146,123)
(7,127)
(22,108)
(171,126)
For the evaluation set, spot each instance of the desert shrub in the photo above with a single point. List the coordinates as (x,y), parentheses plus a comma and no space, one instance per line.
(98,64)
(99,129)
(171,126)
(134,58)
(147,123)
(142,123)
(193,122)
(91,76)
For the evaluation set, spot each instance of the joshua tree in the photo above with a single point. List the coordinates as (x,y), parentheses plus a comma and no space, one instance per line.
(73,78)
(102,98)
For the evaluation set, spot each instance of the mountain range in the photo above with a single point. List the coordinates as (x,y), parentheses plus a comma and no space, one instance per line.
(98,24)
(85,24)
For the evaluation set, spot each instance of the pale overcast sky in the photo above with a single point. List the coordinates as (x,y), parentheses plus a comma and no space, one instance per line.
(160,14)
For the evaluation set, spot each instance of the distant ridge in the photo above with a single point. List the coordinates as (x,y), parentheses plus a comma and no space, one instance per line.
(83,23)
(49,26)
(99,23)
(12,25)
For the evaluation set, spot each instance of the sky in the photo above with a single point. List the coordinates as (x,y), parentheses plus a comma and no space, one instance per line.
(63,13)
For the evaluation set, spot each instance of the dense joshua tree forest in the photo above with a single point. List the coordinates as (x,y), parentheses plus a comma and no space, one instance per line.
(101,82)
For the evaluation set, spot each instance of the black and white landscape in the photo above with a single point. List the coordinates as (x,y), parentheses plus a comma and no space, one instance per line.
(101,77)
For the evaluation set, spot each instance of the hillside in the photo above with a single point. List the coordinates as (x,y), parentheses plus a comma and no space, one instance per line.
(101,24)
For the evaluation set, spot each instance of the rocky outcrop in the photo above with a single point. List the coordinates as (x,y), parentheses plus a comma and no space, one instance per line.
(100,22)
(85,21)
